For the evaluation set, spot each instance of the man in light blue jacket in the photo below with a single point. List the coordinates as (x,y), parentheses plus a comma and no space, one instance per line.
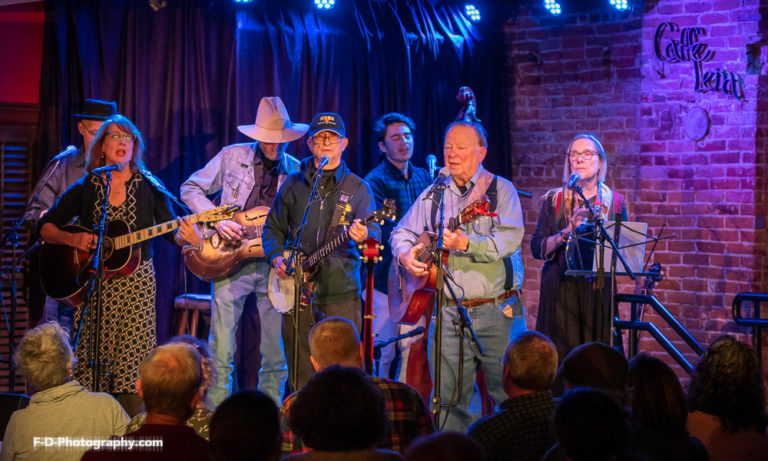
(247,175)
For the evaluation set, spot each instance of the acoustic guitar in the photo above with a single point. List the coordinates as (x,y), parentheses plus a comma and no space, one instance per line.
(418,292)
(280,291)
(65,270)
(219,257)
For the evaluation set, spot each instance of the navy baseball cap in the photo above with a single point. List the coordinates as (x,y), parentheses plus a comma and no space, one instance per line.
(327,121)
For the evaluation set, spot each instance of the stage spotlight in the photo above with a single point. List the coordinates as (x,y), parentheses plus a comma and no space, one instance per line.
(242,1)
(553,7)
(621,5)
(472,12)
(325,4)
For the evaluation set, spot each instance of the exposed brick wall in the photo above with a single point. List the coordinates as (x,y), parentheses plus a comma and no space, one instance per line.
(597,72)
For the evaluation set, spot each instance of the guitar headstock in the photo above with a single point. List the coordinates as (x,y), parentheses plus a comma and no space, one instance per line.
(387,211)
(476,209)
(215,214)
(369,250)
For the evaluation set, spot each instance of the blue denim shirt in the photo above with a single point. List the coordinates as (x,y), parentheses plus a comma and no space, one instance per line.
(480,271)
(63,173)
(231,173)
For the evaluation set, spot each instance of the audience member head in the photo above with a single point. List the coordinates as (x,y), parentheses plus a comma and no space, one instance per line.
(44,357)
(530,363)
(206,360)
(339,409)
(444,446)
(657,398)
(170,379)
(727,383)
(595,365)
(335,341)
(246,427)
(590,426)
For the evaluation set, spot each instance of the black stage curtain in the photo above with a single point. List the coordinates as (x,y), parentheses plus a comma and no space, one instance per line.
(189,73)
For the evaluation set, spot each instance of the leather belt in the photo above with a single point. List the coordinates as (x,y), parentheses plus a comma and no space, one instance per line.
(469,303)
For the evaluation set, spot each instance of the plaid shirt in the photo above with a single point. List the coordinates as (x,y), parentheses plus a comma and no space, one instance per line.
(387,181)
(522,431)
(408,418)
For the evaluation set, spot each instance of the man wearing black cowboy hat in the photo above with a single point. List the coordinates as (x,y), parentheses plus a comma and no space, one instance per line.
(247,175)
(62,171)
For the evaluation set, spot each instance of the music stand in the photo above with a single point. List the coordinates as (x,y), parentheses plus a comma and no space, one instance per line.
(631,238)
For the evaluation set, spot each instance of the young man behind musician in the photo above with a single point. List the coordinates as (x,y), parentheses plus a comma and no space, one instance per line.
(247,175)
(396,178)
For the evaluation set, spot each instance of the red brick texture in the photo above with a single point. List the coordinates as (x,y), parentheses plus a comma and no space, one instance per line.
(597,72)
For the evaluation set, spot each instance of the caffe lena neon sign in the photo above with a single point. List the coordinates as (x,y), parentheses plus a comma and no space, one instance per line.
(689,49)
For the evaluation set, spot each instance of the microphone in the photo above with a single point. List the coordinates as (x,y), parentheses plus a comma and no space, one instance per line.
(69,150)
(119,166)
(432,165)
(444,173)
(575,177)
(324,160)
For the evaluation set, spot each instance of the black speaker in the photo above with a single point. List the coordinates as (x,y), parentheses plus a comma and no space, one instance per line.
(8,404)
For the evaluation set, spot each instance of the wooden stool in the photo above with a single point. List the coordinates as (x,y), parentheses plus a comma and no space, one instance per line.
(196,304)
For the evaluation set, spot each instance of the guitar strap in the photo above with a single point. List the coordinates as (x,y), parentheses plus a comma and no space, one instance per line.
(161,188)
(349,186)
(487,184)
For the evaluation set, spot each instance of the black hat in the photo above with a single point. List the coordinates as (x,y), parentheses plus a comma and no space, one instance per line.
(96,109)
(327,121)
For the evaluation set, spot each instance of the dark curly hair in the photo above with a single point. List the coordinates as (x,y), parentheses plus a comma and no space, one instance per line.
(727,383)
(380,128)
(339,409)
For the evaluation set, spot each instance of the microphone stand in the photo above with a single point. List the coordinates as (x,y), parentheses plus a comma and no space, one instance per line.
(605,237)
(97,283)
(293,267)
(379,345)
(439,299)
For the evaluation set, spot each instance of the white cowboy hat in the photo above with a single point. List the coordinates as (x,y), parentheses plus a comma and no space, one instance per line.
(273,124)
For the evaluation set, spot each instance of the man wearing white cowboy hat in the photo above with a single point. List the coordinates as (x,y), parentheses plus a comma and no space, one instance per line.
(247,175)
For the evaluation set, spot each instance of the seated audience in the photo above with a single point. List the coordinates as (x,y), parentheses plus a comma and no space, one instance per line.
(61,407)
(591,426)
(246,427)
(169,382)
(201,417)
(726,398)
(658,404)
(340,414)
(596,365)
(522,430)
(335,341)
(445,446)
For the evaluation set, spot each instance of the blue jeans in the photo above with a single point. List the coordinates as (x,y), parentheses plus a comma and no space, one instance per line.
(494,331)
(228,301)
(62,314)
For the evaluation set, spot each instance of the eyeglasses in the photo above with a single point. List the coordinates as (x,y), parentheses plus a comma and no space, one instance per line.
(587,155)
(327,139)
(117,136)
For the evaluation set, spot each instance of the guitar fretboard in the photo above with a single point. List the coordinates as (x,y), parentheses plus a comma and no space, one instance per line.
(315,257)
(150,232)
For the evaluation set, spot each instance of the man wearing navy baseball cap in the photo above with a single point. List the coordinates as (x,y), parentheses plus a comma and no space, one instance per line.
(341,201)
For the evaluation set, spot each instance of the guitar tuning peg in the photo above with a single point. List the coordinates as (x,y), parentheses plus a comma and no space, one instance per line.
(364,259)
(381,247)
(380,258)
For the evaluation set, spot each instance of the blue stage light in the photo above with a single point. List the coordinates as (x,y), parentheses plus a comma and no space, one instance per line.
(472,12)
(242,1)
(325,4)
(621,5)
(553,7)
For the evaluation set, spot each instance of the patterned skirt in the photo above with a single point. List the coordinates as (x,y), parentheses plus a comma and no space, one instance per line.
(128,331)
